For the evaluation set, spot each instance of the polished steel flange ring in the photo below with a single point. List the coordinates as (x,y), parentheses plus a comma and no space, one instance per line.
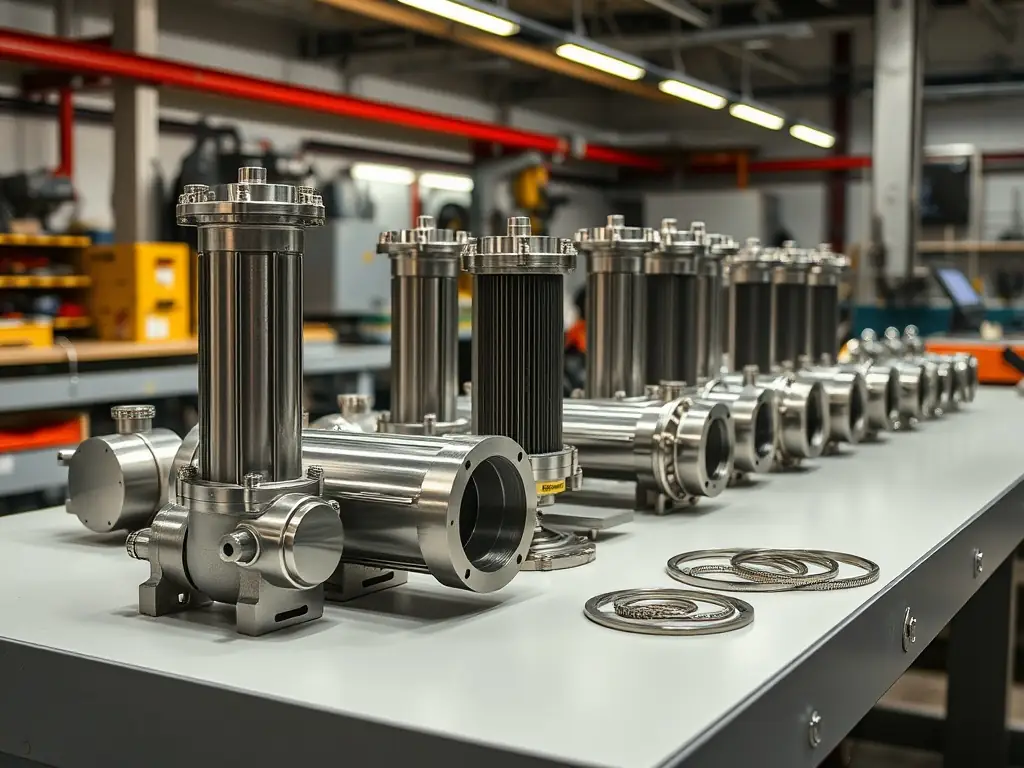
(790,570)
(739,612)
(870,568)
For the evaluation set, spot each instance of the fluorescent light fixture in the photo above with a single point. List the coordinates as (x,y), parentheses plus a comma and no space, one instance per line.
(768,120)
(446,181)
(813,136)
(591,58)
(463,14)
(390,174)
(692,93)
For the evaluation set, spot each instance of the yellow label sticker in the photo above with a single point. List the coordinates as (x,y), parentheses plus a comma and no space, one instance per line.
(368,256)
(545,488)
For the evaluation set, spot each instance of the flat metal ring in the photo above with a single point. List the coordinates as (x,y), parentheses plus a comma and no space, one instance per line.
(742,613)
(870,575)
(761,582)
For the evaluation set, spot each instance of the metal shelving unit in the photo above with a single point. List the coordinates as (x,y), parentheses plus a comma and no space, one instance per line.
(28,471)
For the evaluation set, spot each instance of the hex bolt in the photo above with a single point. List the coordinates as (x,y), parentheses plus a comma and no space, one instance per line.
(909,630)
(429,423)
(313,472)
(65,455)
(252,479)
(750,373)
(979,562)
(240,547)
(814,730)
(137,544)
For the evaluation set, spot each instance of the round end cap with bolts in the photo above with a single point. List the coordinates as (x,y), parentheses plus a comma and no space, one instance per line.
(519,251)
(754,420)
(425,250)
(295,544)
(676,251)
(803,417)
(615,235)
(702,447)
(250,200)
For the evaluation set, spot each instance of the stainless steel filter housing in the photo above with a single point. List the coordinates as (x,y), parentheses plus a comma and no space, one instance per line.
(615,311)
(247,525)
(882,381)
(915,392)
(790,304)
(118,482)
(518,363)
(750,334)
(461,508)
(677,450)
(424,328)
(825,272)
(754,420)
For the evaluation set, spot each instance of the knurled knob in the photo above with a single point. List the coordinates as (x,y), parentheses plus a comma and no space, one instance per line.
(133,412)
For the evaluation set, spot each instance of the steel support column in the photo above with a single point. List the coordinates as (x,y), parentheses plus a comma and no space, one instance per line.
(978,664)
(896,145)
(842,74)
(136,128)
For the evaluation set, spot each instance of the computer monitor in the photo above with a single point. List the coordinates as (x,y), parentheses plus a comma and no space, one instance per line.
(968,306)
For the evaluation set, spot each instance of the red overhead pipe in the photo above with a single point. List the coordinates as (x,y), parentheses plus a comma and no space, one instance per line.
(74,56)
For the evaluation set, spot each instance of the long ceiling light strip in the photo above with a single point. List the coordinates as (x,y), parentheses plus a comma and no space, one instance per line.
(692,93)
(389,174)
(588,57)
(812,135)
(757,116)
(463,14)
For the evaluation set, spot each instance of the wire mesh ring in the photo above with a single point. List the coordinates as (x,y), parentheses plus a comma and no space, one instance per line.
(760,581)
(741,613)
(870,568)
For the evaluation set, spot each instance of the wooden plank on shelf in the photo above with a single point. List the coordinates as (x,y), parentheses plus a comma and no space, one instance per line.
(45,281)
(969,246)
(98,351)
(70,323)
(45,241)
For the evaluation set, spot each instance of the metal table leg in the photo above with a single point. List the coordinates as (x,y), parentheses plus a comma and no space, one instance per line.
(978,664)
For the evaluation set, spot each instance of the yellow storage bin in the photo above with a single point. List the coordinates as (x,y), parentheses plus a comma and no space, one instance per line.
(140,291)
(25,333)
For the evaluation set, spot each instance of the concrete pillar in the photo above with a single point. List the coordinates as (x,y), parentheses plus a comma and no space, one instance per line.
(136,125)
(897,135)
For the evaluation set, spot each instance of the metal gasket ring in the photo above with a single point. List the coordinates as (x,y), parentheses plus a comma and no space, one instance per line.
(650,607)
(760,581)
(870,568)
(741,613)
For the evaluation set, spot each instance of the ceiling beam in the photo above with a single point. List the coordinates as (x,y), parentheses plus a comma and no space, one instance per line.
(533,56)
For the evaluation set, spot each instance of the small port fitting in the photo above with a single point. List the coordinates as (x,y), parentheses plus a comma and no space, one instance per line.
(137,544)
(240,547)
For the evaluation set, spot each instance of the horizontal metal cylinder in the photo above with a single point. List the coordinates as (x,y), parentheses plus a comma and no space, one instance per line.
(460,508)
(753,419)
(118,482)
(682,447)
(882,382)
(802,414)
(847,402)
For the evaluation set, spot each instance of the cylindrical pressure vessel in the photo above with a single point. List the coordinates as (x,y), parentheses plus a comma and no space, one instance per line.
(424,327)
(673,313)
(615,311)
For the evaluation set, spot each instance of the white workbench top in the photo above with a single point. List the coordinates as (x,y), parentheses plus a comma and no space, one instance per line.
(522,670)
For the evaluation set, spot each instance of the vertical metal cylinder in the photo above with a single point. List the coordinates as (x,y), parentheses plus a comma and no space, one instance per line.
(250,324)
(673,314)
(711,303)
(424,324)
(518,335)
(789,304)
(750,333)
(615,313)
(823,277)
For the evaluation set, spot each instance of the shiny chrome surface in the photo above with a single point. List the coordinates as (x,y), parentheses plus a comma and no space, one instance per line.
(754,420)
(847,394)
(424,323)
(462,508)
(681,448)
(118,482)
(615,311)
(802,415)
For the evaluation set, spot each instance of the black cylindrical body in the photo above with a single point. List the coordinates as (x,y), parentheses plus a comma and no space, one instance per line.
(750,329)
(790,308)
(823,320)
(518,359)
(672,328)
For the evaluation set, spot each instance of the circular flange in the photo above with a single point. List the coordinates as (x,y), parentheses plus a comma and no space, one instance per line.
(554,551)
(741,613)
(519,252)
(250,200)
(870,575)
